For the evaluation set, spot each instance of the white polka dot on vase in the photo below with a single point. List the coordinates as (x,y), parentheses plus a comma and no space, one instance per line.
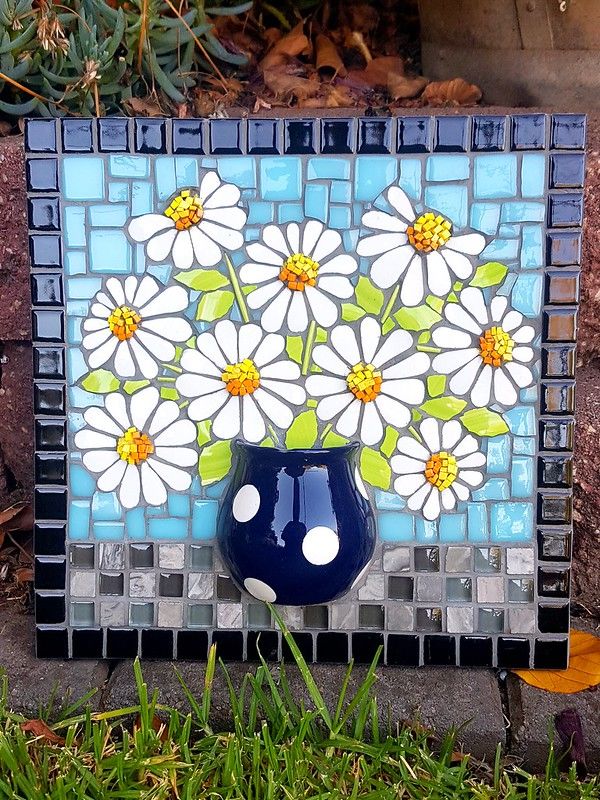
(320,545)
(360,484)
(260,590)
(246,503)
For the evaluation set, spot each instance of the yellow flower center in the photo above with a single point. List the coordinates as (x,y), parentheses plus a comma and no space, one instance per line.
(185,210)
(496,346)
(123,322)
(241,378)
(441,470)
(134,446)
(429,232)
(364,381)
(299,271)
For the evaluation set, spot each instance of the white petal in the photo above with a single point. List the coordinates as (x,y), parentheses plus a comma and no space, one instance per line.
(410,447)
(207,252)
(226,237)
(176,329)
(226,195)
(417,364)
(113,476)
(523,335)
(459,264)
(93,340)
(347,424)
(96,324)
(394,344)
(194,385)
(322,385)
(415,501)
(142,228)
(166,413)
(208,347)
(389,267)
(153,488)
(409,390)
(292,234)
(431,509)
(324,357)
(468,445)
(99,460)
(394,412)
(290,392)
(370,334)
(98,418)
(504,392)
(161,349)
(180,432)
(471,243)
(451,433)
(408,484)
(274,314)
(264,255)
(438,277)
(383,222)
(343,339)
(279,414)
(253,425)
(142,405)
(455,359)
(147,365)
(448,499)
(204,407)
(130,287)
(263,294)
(331,406)
(183,251)
(342,264)
(470,477)
(129,491)
(380,243)
(512,320)
(399,199)
(93,440)
(430,431)
(124,366)
(193,361)
(281,371)
(227,338)
(480,394)
(116,406)
(251,273)
(451,338)
(474,460)
(473,300)
(457,315)
(520,374)
(273,237)
(159,247)
(227,422)
(146,290)
(269,349)
(371,429)
(102,309)
(412,290)
(115,288)
(210,183)
(324,310)
(176,478)
(249,337)
(498,307)
(297,318)
(169,301)
(337,285)
(328,242)
(101,355)
(460,490)
(232,217)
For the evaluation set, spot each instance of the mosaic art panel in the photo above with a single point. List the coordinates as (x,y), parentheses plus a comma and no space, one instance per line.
(410,284)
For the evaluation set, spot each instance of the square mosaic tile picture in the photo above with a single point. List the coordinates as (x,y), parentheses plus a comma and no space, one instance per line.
(406,284)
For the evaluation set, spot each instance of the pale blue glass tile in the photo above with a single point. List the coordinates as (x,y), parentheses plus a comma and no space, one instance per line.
(216,490)
(106,506)
(493,489)
(83,288)
(341,192)
(76,423)
(79,398)
(495,176)
(350,239)
(77,308)
(372,174)
(509,231)
(186,172)
(109,251)
(178,505)
(533,175)
(323,167)
(252,234)
(204,519)
(453,527)
(477,522)
(167,528)
(118,192)
(529,395)
(485,217)
(498,454)
(447,168)
(521,420)
(81,483)
(161,272)
(451,201)
(410,177)
(532,248)
(527,294)
(523,212)
(75,226)
(105,531)
(76,366)
(141,198)
(290,212)
(501,250)
(75,262)
(83,178)
(316,201)
(389,501)
(129,166)
(196,488)
(522,476)
(79,519)
(73,330)
(260,213)
(135,523)
(281,178)
(396,527)
(426,530)
(108,216)
(512,522)
(524,446)
(208,163)
(166,181)
(248,194)
(241,171)
(340,217)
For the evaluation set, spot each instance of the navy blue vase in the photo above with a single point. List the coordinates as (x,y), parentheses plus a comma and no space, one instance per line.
(295,527)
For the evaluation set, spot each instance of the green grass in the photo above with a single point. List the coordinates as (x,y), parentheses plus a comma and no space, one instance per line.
(278,749)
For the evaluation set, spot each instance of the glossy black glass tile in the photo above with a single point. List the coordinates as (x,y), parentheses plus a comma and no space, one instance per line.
(554,509)
(113,134)
(121,642)
(230,645)
(528,131)
(476,651)
(338,135)
(375,135)
(556,435)
(560,326)
(48,326)
(262,643)
(170,584)
(47,289)
(263,136)
(48,398)
(52,643)
(150,135)
(554,546)
(112,583)
(402,651)
(563,248)
(40,135)
(414,135)
(439,651)
(141,555)
(489,133)
(42,175)
(568,132)
(427,559)
(188,136)
(553,619)
(44,213)
(49,608)
(401,587)
(300,136)
(513,653)
(87,643)
(304,643)
(82,555)
(157,644)
(192,645)
(77,135)
(50,503)
(553,582)
(567,171)
(451,134)
(556,471)
(226,136)
(51,468)
(558,362)
(45,251)
(550,654)
(558,399)
(226,589)
(49,573)
(332,647)
(565,210)
(49,539)
(561,287)
(49,362)
(365,646)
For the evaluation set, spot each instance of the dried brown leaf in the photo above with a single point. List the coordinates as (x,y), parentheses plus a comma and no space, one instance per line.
(328,61)
(290,86)
(157,725)
(330,97)
(401,87)
(293,44)
(38,727)
(582,673)
(143,107)
(456,92)
(17,517)
(24,575)
(377,73)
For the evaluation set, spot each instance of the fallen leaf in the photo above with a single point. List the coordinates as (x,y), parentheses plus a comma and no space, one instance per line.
(456,92)
(378,71)
(157,725)
(39,728)
(331,97)
(293,44)
(260,103)
(328,61)
(290,86)
(401,87)
(143,107)
(24,575)
(569,728)
(582,673)
(18,517)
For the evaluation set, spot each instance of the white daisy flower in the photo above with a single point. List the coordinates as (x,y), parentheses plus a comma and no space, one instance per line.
(423,249)
(138,447)
(486,349)
(297,273)
(365,383)
(132,321)
(434,474)
(196,224)
(236,376)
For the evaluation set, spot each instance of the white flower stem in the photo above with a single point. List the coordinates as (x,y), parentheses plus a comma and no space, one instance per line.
(239,295)
(308,346)
(390,305)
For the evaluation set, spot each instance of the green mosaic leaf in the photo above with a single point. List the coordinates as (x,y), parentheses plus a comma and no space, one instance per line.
(321,335)
(203,432)
(303,431)
(167,393)
(436,385)
(387,326)
(368,296)
(350,312)
(214,462)
(483,422)
(457,286)
(420,318)
(268,442)
(294,346)
(452,298)
(374,468)
(435,302)
(203,280)
(100,381)
(443,407)
(389,441)
(132,386)
(311,403)
(424,337)
(490,274)
(333,439)
(214,305)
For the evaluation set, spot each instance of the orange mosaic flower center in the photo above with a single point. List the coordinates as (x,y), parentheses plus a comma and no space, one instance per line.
(123,322)
(241,378)
(185,210)
(299,271)
(364,381)
(441,470)
(134,446)
(429,232)
(496,346)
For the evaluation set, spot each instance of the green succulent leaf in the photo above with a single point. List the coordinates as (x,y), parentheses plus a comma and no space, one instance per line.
(368,296)
(203,280)
(420,318)
(302,433)
(101,381)
(443,407)
(374,468)
(490,274)
(214,462)
(483,422)
(214,305)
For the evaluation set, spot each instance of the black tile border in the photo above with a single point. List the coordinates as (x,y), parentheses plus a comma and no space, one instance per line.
(560,136)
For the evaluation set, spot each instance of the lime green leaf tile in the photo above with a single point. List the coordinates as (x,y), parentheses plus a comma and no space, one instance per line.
(294,346)
(350,312)
(452,298)
(248,289)
(436,385)
(387,326)
(303,431)
(435,302)
(368,296)
(389,441)
(268,442)
(333,439)
(420,318)
(483,422)
(490,274)
(443,407)
(100,381)
(424,337)
(374,468)
(416,416)
(203,432)
(132,386)
(214,305)
(321,335)
(202,280)
(312,403)
(214,462)
(457,286)
(167,393)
